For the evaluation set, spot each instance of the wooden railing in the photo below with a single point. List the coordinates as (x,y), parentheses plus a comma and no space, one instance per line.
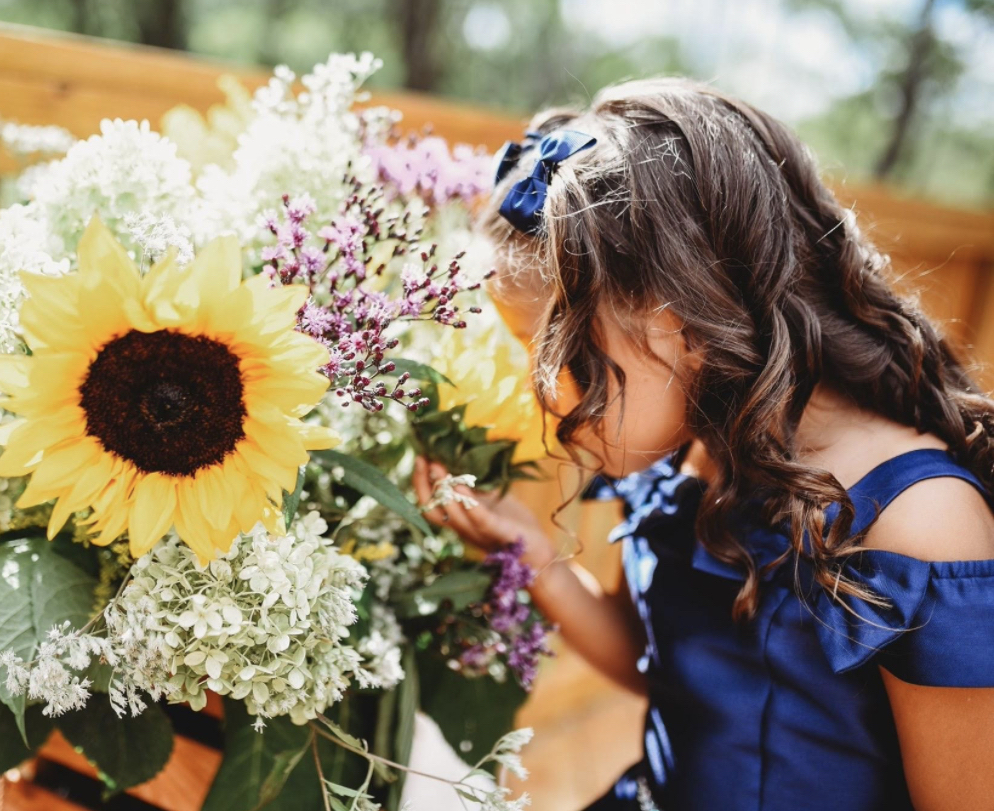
(948,254)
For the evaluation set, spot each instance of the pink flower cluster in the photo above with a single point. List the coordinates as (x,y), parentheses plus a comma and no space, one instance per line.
(341,312)
(424,166)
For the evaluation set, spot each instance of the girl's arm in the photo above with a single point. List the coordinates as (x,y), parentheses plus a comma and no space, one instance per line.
(599,625)
(947,744)
(946,733)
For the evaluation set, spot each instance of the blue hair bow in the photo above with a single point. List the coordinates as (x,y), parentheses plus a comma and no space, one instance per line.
(522,206)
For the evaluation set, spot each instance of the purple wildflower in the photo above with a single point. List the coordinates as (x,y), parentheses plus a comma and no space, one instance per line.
(341,313)
(520,638)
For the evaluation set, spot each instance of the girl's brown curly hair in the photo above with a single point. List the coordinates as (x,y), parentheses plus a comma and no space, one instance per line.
(700,202)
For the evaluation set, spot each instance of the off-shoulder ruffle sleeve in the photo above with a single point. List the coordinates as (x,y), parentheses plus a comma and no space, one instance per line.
(936,629)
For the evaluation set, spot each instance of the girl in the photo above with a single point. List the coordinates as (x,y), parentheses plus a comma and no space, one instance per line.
(809,545)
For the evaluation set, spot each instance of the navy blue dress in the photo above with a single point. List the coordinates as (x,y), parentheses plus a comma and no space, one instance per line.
(789,711)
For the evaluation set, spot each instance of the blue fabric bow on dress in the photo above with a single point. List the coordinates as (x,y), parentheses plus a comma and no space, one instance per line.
(522,206)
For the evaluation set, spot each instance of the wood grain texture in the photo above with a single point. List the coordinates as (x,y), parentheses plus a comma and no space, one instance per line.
(181,786)
(23,795)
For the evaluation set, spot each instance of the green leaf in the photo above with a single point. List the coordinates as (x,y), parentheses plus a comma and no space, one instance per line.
(13,752)
(386,714)
(419,371)
(343,736)
(371,482)
(256,765)
(407,707)
(473,713)
(283,765)
(292,500)
(39,589)
(460,588)
(125,751)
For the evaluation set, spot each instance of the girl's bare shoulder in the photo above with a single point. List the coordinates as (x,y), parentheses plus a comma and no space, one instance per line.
(938,519)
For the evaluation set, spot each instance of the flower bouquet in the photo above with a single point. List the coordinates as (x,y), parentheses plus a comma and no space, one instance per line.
(215,382)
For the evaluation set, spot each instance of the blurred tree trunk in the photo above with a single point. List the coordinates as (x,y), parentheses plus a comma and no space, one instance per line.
(79,17)
(910,88)
(269,51)
(418,21)
(161,23)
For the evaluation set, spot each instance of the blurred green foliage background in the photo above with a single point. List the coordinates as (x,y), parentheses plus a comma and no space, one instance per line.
(900,91)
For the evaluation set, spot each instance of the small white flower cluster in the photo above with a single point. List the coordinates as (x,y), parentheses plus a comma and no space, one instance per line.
(295,143)
(153,236)
(445,492)
(127,168)
(25,140)
(506,752)
(53,676)
(265,623)
(381,650)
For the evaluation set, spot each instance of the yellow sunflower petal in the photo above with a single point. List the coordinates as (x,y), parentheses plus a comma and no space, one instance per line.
(268,485)
(216,270)
(190,525)
(318,437)
(34,495)
(8,428)
(18,459)
(214,497)
(52,298)
(45,432)
(295,395)
(102,259)
(61,467)
(94,479)
(111,527)
(221,539)
(15,373)
(282,444)
(60,514)
(152,512)
(264,466)
(160,294)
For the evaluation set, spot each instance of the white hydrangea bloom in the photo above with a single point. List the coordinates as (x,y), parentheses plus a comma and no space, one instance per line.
(267,623)
(295,144)
(26,244)
(309,527)
(126,169)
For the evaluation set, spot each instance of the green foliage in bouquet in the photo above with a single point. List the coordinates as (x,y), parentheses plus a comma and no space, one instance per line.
(464,449)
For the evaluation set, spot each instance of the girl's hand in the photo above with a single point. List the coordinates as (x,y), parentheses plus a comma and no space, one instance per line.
(494,522)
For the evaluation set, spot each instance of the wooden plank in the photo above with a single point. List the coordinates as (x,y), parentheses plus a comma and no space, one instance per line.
(181,786)
(75,81)
(23,795)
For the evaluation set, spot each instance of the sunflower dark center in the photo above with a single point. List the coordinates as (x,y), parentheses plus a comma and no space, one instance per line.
(168,402)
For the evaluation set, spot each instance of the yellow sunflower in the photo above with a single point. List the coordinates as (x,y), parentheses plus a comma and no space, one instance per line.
(172,399)
(489,367)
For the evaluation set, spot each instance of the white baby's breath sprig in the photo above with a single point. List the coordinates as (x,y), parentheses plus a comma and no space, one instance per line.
(445,492)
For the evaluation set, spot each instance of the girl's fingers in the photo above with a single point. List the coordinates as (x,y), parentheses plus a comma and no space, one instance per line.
(424,489)
(475,523)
